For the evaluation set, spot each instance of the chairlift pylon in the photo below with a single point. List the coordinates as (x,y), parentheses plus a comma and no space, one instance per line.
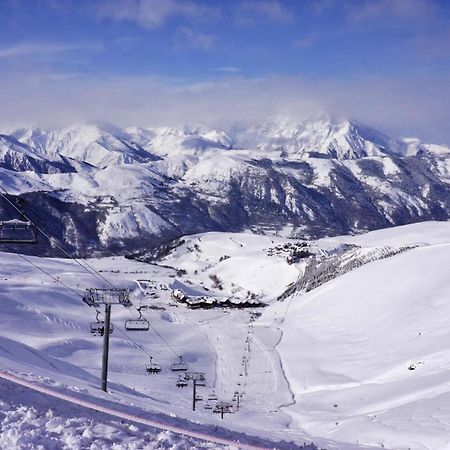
(138,324)
(179,366)
(152,367)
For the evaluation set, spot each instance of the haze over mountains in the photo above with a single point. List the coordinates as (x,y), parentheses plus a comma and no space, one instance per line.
(104,189)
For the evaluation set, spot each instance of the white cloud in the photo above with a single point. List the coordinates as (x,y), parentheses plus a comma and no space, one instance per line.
(364,11)
(188,38)
(304,42)
(253,12)
(415,106)
(227,69)
(152,13)
(45,49)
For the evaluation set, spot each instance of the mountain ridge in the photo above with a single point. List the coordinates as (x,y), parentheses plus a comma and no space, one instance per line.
(113,190)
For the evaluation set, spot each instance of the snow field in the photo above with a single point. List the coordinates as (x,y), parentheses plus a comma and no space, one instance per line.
(358,362)
(45,337)
(365,355)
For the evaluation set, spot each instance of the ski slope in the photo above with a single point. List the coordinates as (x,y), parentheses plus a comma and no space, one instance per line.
(358,362)
(366,355)
(45,339)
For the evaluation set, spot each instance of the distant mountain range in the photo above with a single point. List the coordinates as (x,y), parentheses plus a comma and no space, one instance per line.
(105,190)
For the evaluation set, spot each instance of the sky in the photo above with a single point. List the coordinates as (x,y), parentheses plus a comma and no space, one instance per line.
(170,62)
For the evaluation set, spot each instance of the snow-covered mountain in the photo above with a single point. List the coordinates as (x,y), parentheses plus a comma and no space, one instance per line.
(19,157)
(107,189)
(96,145)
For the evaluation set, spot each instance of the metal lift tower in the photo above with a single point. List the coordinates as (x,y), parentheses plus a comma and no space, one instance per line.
(107,297)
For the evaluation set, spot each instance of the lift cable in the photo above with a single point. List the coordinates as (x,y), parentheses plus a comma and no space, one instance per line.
(139,346)
(87,267)
(165,342)
(49,274)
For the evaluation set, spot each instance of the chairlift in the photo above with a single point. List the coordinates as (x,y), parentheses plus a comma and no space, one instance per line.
(200,381)
(213,396)
(182,382)
(152,367)
(16,231)
(98,328)
(138,324)
(207,406)
(179,366)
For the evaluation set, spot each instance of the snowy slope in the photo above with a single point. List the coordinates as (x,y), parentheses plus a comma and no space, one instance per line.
(18,157)
(359,361)
(365,353)
(240,263)
(45,339)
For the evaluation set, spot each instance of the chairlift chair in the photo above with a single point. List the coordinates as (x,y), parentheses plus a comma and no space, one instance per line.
(152,367)
(179,366)
(98,328)
(200,382)
(207,406)
(182,382)
(138,324)
(17,231)
(213,396)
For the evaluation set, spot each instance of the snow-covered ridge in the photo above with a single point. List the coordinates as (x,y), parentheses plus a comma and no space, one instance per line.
(339,139)
(114,189)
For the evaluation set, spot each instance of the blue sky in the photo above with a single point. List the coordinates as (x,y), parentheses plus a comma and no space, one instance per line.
(144,62)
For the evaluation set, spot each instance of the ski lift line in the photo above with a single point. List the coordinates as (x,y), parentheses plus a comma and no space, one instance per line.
(163,340)
(138,346)
(50,275)
(87,267)
(155,331)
